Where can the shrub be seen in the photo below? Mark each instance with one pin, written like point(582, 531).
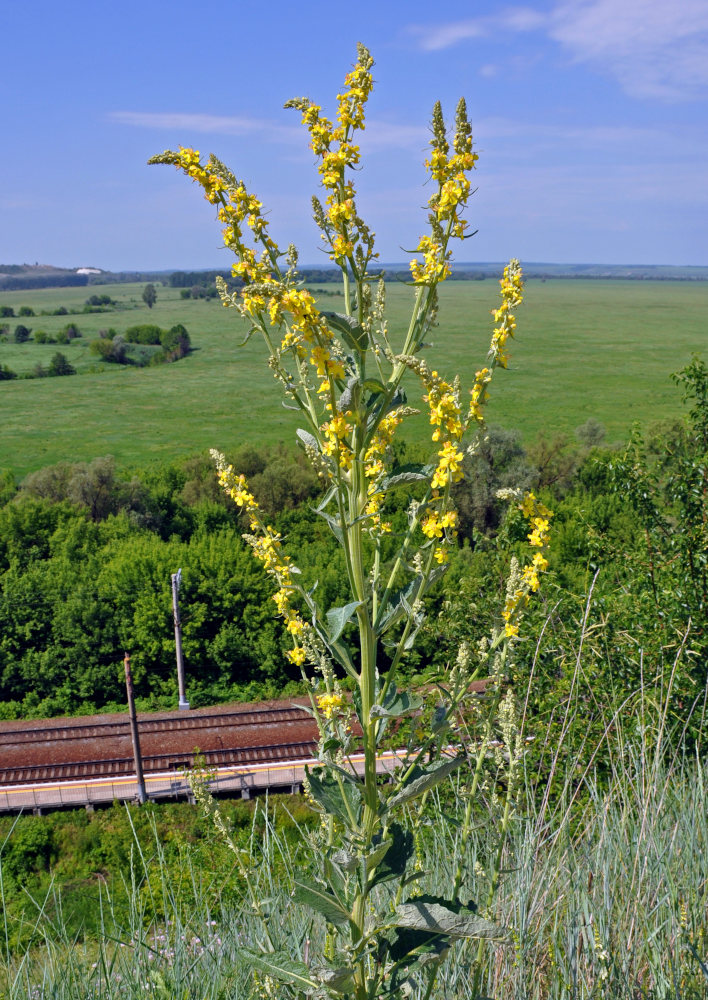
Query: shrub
point(175, 341)
point(72, 332)
point(7, 312)
point(40, 337)
point(6, 373)
point(110, 350)
point(59, 365)
point(144, 333)
point(22, 334)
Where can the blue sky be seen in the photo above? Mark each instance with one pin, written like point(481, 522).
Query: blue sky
point(589, 117)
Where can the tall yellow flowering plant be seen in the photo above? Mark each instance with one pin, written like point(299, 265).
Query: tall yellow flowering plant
point(345, 376)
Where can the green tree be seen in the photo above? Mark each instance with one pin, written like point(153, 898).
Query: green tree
point(59, 365)
point(149, 295)
point(22, 334)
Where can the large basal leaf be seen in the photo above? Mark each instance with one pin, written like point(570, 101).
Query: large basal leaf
point(438, 916)
point(322, 901)
point(280, 966)
point(339, 618)
point(423, 778)
point(334, 796)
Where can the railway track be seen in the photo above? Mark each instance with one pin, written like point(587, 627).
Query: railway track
point(119, 767)
point(182, 723)
point(95, 747)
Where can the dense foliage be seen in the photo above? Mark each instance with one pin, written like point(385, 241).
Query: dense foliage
point(86, 554)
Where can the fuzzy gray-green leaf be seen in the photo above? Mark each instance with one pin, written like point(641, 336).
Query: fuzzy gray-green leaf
point(280, 966)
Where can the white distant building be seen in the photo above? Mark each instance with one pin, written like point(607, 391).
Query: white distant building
point(89, 270)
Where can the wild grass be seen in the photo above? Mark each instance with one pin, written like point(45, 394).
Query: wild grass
point(604, 892)
point(585, 348)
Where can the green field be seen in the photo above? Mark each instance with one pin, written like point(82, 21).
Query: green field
point(602, 349)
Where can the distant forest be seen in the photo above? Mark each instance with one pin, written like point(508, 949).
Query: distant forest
point(17, 277)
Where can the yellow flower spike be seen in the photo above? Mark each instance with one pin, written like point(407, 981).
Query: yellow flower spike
point(297, 655)
point(330, 704)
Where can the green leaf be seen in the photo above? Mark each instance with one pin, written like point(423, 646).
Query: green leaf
point(396, 607)
point(393, 864)
point(439, 916)
point(309, 440)
point(411, 473)
point(373, 385)
point(401, 703)
point(423, 778)
point(345, 860)
point(280, 966)
point(339, 980)
point(350, 330)
point(339, 618)
point(334, 524)
point(333, 797)
point(322, 901)
point(376, 856)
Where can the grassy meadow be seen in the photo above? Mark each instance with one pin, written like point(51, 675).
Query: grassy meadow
point(602, 349)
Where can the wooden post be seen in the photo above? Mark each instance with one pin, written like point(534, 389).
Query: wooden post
point(142, 795)
point(176, 580)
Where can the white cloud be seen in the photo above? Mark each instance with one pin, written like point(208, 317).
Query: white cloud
point(379, 135)
point(215, 124)
point(441, 36)
point(653, 48)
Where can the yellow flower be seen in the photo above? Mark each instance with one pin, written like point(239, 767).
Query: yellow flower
point(330, 704)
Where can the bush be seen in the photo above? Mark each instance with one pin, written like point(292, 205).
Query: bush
point(59, 365)
point(7, 312)
point(72, 332)
point(6, 373)
point(61, 311)
point(144, 333)
point(110, 350)
point(25, 311)
point(40, 337)
point(175, 342)
point(22, 334)
point(100, 300)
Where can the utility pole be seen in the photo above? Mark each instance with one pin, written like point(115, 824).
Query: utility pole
point(176, 581)
point(142, 794)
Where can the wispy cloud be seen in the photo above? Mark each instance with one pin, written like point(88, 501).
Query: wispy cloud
point(653, 48)
point(379, 135)
point(215, 124)
point(432, 37)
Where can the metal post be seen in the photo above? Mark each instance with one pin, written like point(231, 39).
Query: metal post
point(176, 580)
point(142, 795)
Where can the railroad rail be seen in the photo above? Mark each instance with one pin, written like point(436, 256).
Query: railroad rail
point(113, 728)
point(117, 767)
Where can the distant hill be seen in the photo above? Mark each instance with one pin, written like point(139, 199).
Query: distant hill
point(28, 276)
